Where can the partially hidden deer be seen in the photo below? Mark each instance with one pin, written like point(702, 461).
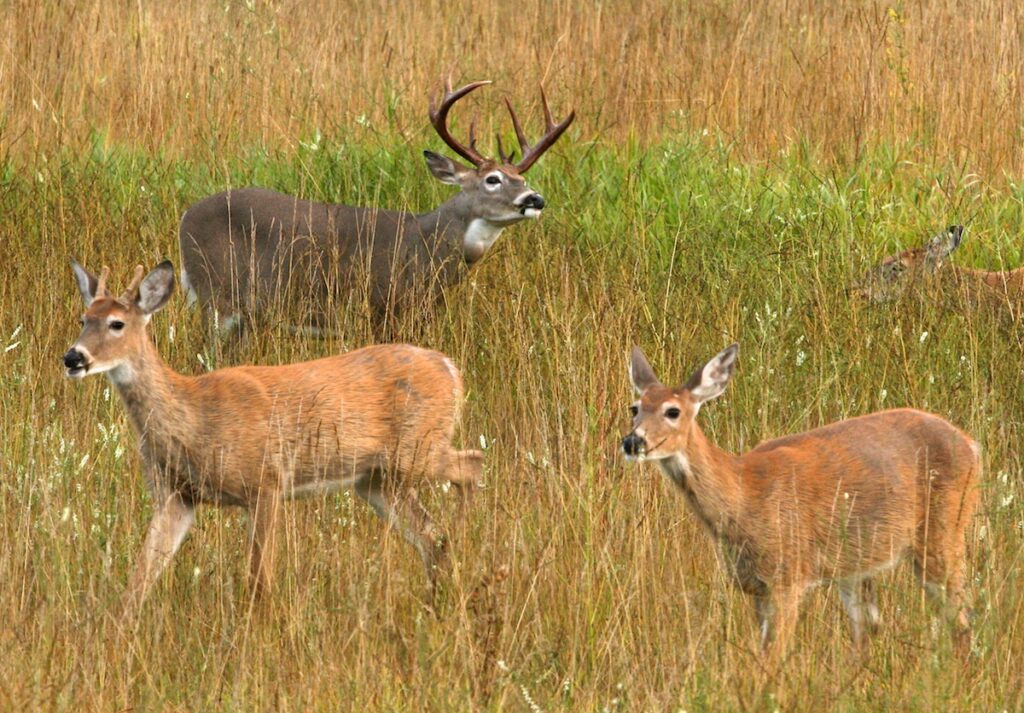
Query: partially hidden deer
point(841, 503)
point(379, 420)
point(927, 266)
point(246, 249)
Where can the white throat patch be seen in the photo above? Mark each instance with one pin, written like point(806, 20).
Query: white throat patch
point(480, 236)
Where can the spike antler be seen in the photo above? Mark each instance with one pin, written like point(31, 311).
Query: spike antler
point(101, 284)
point(128, 296)
point(552, 132)
point(439, 119)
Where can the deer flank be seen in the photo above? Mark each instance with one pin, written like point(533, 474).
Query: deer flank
point(379, 420)
point(841, 503)
point(927, 267)
point(247, 249)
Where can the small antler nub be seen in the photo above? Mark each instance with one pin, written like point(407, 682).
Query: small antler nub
point(101, 284)
point(128, 296)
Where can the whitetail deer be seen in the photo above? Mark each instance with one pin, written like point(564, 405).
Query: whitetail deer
point(244, 249)
point(840, 503)
point(378, 420)
point(926, 264)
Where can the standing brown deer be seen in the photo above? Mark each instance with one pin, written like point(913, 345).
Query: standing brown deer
point(379, 420)
point(925, 265)
point(841, 503)
point(244, 249)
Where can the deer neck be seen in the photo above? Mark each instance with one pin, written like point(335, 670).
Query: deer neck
point(152, 394)
point(711, 481)
point(457, 226)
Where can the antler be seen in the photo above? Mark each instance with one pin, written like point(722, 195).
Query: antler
point(101, 284)
point(128, 296)
point(551, 133)
point(439, 119)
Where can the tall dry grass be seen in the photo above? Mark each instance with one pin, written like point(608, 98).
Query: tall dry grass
point(579, 583)
point(201, 79)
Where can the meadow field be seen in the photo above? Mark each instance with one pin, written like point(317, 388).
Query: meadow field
point(733, 169)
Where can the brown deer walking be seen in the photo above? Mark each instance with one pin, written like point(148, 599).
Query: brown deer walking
point(841, 503)
point(245, 249)
point(378, 420)
point(926, 265)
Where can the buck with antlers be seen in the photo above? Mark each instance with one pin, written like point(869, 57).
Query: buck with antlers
point(927, 264)
point(245, 249)
point(840, 503)
point(379, 420)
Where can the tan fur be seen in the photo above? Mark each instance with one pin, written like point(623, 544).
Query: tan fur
point(838, 503)
point(927, 267)
point(379, 420)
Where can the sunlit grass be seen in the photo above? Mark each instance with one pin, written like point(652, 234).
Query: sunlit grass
point(732, 171)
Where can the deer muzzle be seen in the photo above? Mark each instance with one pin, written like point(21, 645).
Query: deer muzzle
point(633, 446)
point(76, 362)
point(531, 205)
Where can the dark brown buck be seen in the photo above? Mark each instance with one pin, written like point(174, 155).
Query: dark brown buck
point(245, 249)
point(841, 503)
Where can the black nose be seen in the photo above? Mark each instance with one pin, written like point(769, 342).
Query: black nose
point(534, 200)
point(74, 358)
point(632, 445)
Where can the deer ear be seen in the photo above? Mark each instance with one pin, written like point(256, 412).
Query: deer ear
point(444, 169)
point(709, 382)
point(156, 288)
point(939, 247)
point(86, 282)
point(640, 371)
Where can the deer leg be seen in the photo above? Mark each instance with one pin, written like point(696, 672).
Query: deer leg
point(943, 581)
point(407, 514)
point(266, 517)
point(779, 617)
point(858, 598)
point(869, 597)
point(167, 530)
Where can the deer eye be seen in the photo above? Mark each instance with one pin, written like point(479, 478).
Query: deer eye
point(634, 410)
point(672, 413)
point(81, 321)
point(493, 180)
point(117, 325)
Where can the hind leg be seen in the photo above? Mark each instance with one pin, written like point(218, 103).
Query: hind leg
point(406, 513)
point(859, 599)
point(943, 580)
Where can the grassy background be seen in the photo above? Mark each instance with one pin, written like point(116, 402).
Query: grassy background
point(732, 170)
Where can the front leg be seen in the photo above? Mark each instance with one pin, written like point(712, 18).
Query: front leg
point(171, 522)
point(266, 516)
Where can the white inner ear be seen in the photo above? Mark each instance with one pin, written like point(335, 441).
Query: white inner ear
point(83, 285)
point(713, 379)
point(632, 379)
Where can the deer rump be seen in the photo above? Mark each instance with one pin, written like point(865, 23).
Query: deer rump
point(252, 251)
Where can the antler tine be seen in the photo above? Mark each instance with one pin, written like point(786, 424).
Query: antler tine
point(524, 146)
point(101, 284)
point(552, 132)
point(547, 110)
point(439, 119)
point(501, 150)
point(133, 287)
